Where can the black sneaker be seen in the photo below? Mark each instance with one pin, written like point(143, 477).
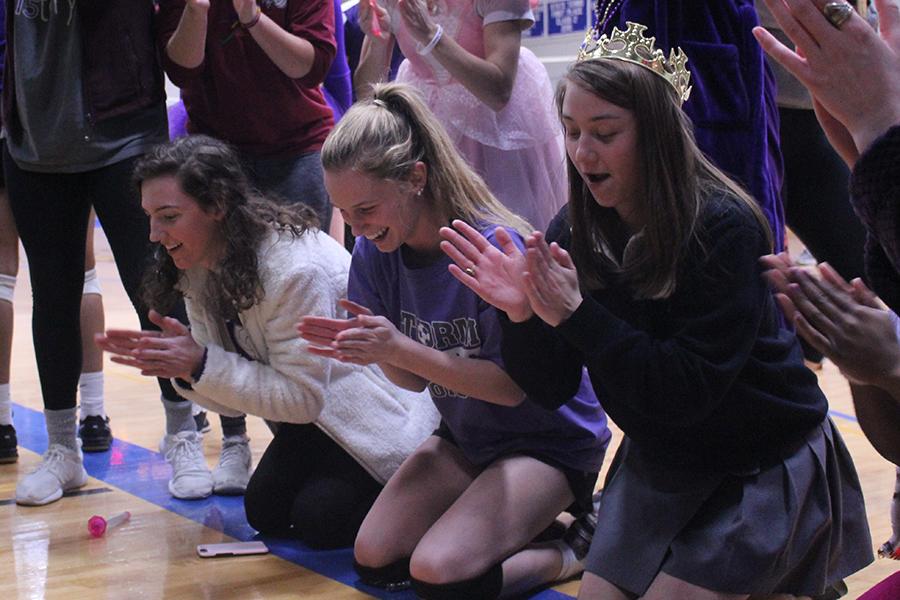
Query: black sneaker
point(8, 445)
point(95, 433)
point(202, 422)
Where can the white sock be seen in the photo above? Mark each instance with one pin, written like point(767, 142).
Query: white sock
point(90, 388)
point(5, 405)
point(571, 566)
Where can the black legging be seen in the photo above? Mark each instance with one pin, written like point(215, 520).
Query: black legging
point(817, 199)
point(51, 212)
point(816, 194)
point(306, 486)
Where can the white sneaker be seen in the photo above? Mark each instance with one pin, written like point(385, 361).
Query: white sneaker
point(61, 470)
point(191, 479)
point(231, 475)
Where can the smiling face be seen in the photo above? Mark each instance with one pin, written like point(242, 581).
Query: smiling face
point(601, 141)
point(191, 235)
point(390, 213)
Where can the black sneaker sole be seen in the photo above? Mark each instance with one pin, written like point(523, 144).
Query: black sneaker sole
point(95, 446)
point(8, 459)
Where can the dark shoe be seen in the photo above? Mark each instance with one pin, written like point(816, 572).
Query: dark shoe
point(202, 422)
point(95, 433)
point(8, 445)
point(581, 532)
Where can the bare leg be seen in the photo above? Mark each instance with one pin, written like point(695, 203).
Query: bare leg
point(505, 507)
point(424, 486)
point(666, 587)
point(597, 588)
point(92, 320)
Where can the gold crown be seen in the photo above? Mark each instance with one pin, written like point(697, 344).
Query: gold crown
point(631, 45)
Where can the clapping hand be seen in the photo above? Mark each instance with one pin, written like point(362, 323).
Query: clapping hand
point(171, 352)
point(551, 280)
point(362, 340)
point(417, 20)
point(496, 276)
point(844, 321)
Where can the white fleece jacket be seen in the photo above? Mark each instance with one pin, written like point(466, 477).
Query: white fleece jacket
point(376, 422)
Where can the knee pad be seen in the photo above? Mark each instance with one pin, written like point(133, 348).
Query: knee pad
point(486, 586)
point(91, 283)
point(392, 577)
point(7, 287)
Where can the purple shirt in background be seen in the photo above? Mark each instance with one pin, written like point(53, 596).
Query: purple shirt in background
point(430, 306)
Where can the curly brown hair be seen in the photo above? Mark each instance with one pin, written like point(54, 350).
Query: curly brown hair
point(210, 172)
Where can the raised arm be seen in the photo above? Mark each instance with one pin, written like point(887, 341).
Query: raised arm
point(186, 45)
point(850, 70)
point(490, 79)
point(308, 45)
point(377, 48)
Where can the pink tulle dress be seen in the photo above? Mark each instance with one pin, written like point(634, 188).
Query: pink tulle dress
point(518, 150)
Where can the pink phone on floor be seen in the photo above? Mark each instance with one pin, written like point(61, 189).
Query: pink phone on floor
point(231, 549)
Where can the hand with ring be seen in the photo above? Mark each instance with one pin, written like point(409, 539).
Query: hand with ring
point(837, 13)
point(848, 68)
point(495, 274)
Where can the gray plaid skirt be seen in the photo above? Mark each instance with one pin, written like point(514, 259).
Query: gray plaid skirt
point(793, 528)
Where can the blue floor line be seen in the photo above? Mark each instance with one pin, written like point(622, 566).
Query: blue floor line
point(835, 413)
point(145, 474)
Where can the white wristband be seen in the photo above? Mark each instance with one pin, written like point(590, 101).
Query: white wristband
point(438, 33)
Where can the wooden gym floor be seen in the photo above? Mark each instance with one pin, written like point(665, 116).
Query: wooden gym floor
point(47, 552)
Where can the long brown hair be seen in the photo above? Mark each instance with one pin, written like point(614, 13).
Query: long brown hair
point(677, 180)
point(388, 134)
point(210, 172)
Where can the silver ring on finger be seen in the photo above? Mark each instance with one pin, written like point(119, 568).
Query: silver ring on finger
point(837, 13)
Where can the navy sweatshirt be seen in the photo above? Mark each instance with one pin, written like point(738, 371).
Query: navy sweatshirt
point(704, 378)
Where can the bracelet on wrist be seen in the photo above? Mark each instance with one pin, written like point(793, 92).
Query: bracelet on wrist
point(249, 24)
point(427, 48)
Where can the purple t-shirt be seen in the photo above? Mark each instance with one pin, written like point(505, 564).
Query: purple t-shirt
point(430, 306)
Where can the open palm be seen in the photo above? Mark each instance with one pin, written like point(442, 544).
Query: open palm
point(496, 275)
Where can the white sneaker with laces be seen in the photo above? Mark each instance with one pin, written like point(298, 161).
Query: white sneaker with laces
point(231, 475)
point(191, 479)
point(61, 470)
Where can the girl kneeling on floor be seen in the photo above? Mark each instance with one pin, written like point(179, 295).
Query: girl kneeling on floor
point(731, 481)
point(460, 514)
point(248, 269)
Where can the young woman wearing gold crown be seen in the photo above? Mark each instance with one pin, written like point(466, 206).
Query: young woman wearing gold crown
point(731, 481)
